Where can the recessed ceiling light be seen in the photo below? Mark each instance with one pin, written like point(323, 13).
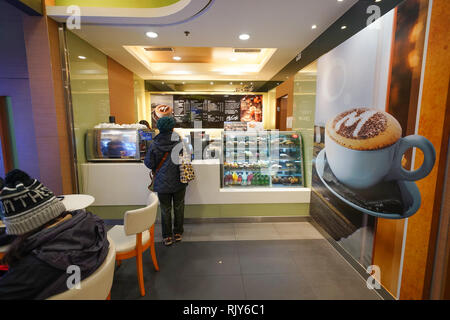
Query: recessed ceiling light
point(313, 26)
point(344, 27)
point(181, 72)
point(377, 0)
point(211, 83)
point(183, 82)
point(340, 0)
point(231, 83)
point(82, 57)
point(244, 36)
point(152, 34)
point(241, 83)
point(162, 82)
point(177, 58)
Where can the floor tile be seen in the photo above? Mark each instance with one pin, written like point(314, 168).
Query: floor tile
point(333, 292)
point(212, 232)
point(297, 230)
point(277, 287)
point(256, 231)
point(269, 264)
point(320, 263)
point(223, 287)
point(226, 264)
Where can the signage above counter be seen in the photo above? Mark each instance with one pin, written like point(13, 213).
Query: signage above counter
point(209, 110)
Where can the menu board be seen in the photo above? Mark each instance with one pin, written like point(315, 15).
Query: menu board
point(181, 113)
point(209, 110)
point(196, 110)
point(214, 116)
point(232, 108)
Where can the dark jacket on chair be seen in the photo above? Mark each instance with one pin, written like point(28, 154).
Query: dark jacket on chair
point(167, 179)
point(42, 272)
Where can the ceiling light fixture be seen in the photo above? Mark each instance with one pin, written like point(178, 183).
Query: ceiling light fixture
point(180, 72)
point(211, 83)
point(152, 34)
point(231, 83)
point(177, 58)
point(314, 27)
point(82, 57)
point(344, 27)
point(244, 36)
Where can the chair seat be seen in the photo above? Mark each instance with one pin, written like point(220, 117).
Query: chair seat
point(3, 249)
point(123, 242)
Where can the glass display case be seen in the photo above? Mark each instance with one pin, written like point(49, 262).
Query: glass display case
point(262, 159)
point(286, 160)
point(117, 144)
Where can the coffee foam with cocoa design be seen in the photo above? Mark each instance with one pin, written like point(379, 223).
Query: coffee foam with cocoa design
point(364, 129)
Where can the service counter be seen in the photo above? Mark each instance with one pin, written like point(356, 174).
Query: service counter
point(125, 184)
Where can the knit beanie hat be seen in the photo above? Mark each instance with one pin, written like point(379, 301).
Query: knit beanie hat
point(165, 124)
point(26, 203)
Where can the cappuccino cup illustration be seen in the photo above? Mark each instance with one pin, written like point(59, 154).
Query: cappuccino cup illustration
point(163, 111)
point(364, 147)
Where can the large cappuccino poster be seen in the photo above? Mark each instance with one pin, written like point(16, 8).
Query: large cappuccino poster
point(367, 93)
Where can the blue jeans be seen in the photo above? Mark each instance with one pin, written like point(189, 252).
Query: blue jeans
point(165, 203)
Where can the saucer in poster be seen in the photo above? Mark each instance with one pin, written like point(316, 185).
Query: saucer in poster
point(389, 199)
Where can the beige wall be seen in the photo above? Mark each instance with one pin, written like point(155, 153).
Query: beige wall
point(121, 93)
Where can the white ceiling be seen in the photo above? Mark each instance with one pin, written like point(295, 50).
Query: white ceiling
point(283, 24)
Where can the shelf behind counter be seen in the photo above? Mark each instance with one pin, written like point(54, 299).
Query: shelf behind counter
point(125, 184)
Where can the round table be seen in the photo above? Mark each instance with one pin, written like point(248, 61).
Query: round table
point(74, 202)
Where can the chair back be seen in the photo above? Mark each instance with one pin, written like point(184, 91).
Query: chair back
point(140, 220)
point(98, 285)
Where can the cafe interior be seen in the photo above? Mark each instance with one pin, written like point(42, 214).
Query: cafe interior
point(317, 131)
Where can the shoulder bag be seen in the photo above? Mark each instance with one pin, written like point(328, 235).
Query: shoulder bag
point(187, 173)
point(152, 176)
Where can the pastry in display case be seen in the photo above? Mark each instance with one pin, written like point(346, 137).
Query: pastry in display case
point(271, 160)
point(286, 159)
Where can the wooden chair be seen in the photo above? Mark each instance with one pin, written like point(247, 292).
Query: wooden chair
point(98, 285)
point(3, 250)
point(137, 235)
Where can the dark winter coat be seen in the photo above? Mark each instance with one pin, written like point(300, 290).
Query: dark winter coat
point(42, 272)
point(167, 179)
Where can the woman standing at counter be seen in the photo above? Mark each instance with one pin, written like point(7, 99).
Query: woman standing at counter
point(167, 179)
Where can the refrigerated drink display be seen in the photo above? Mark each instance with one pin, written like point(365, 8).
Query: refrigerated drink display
point(245, 159)
point(272, 159)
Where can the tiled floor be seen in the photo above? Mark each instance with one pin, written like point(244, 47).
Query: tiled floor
point(246, 231)
point(253, 261)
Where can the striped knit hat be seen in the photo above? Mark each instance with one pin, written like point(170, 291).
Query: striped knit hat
point(26, 203)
